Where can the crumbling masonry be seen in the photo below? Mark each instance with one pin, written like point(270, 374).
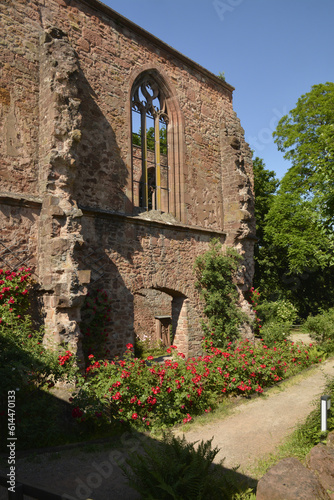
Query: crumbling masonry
point(120, 160)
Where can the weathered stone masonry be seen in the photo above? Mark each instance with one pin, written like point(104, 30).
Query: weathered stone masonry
point(69, 202)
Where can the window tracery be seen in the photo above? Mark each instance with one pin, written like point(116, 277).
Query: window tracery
point(149, 146)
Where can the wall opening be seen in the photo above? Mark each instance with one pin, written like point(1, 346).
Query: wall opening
point(149, 146)
point(161, 317)
point(157, 146)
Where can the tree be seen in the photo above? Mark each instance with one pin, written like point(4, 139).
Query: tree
point(136, 139)
point(265, 186)
point(298, 254)
point(295, 254)
point(306, 136)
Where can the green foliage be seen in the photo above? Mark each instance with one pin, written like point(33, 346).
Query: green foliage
point(310, 432)
point(265, 187)
point(293, 226)
point(321, 329)
point(136, 139)
point(280, 311)
point(144, 348)
point(274, 333)
point(221, 76)
point(306, 136)
point(26, 367)
point(294, 254)
point(152, 395)
point(299, 223)
point(215, 273)
point(175, 469)
point(296, 262)
point(277, 319)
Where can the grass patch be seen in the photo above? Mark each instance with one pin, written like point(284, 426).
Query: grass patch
point(296, 445)
point(303, 438)
point(292, 380)
point(223, 410)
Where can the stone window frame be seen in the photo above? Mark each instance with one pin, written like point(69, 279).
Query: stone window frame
point(175, 139)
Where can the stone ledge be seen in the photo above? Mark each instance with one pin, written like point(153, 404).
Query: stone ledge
point(20, 199)
point(146, 220)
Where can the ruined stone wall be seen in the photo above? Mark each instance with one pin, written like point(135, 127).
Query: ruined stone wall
point(148, 304)
point(19, 85)
point(19, 127)
point(133, 256)
point(67, 70)
point(19, 233)
point(110, 56)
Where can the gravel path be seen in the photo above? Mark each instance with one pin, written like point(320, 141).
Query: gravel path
point(258, 426)
point(254, 429)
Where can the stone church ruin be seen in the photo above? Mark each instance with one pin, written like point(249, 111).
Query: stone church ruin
point(120, 160)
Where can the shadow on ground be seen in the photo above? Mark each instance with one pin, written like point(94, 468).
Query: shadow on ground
point(91, 470)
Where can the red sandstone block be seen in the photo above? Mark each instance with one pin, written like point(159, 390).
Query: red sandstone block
point(93, 37)
point(84, 45)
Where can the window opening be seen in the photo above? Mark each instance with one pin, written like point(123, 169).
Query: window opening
point(149, 147)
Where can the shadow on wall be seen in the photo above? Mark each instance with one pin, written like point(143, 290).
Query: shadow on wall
point(113, 246)
point(157, 316)
point(102, 175)
point(99, 190)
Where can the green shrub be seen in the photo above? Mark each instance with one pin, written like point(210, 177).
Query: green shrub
point(274, 332)
point(215, 272)
point(309, 433)
point(321, 329)
point(152, 395)
point(149, 347)
point(175, 469)
point(279, 311)
point(27, 368)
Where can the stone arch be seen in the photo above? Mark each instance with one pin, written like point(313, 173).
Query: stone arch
point(175, 138)
point(161, 317)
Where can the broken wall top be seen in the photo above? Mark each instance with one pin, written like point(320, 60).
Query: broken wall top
point(111, 52)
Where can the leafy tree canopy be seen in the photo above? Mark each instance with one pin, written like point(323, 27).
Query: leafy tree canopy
point(136, 139)
point(265, 186)
point(294, 227)
point(294, 254)
point(306, 136)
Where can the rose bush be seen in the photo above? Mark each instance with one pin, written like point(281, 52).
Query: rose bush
point(26, 366)
point(158, 395)
point(24, 361)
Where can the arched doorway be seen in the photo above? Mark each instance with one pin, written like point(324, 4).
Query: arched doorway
point(161, 317)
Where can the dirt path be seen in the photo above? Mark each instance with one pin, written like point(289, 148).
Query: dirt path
point(254, 429)
point(258, 426)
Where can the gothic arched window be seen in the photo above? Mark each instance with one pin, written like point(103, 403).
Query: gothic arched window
point(150, 173)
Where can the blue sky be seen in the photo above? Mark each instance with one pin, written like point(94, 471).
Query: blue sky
point(272, 52)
